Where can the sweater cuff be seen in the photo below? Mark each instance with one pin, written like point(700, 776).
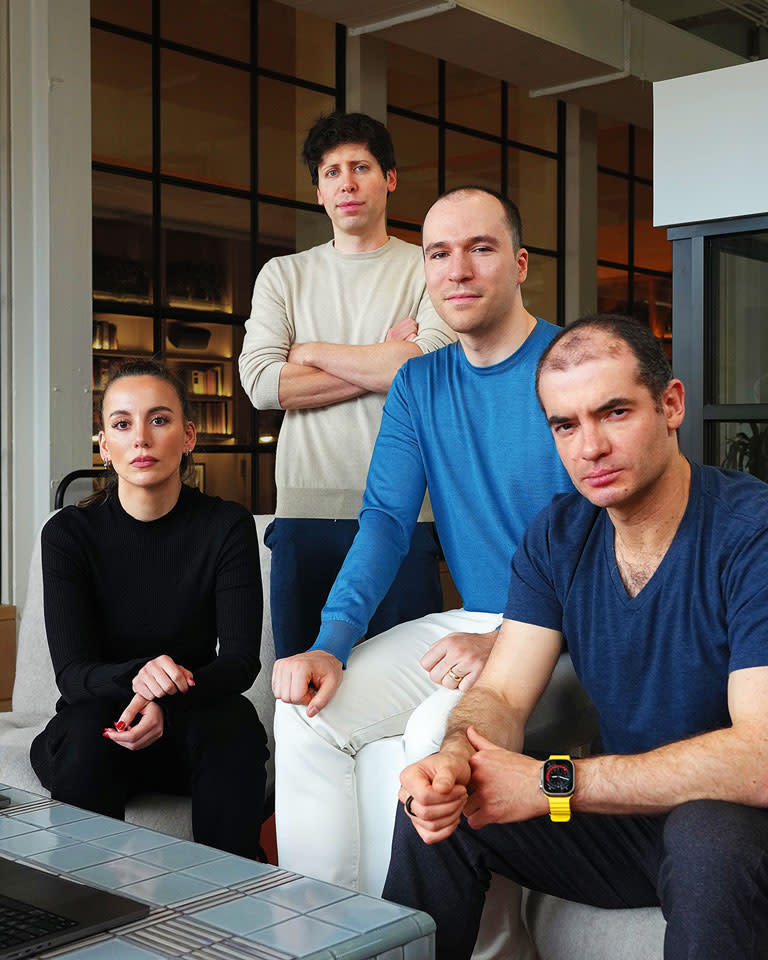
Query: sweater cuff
point(337, 637)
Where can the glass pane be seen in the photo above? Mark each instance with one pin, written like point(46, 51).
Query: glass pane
point(416, 152)
point(740, 278)
point(204, 356)
point(472, 99)
point(741, 446)
point(652, 249)
point(643, 153)
point(223, 28)
point(270, 422)
point(612, 218)
point(540, 287)
point(205, 113)
point(408, 236)
point(411, 81)
point(297, 43)
point(206, 243)
point(121, 100)
point(267, 490)
point(225, 475)
point(653, 304)
point(469, 161)
point(612, 144)
point(532, 121)
point(612, 290)
point(533, 187)
point(282, 231)
point(286, 113)
point(122, 238)
point(137, 15)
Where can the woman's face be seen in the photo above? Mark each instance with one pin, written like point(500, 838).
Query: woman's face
point(145, 433)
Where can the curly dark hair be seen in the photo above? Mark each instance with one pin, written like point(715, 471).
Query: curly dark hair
point(339, 128)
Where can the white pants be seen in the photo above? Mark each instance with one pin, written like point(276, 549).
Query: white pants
point(316, 809)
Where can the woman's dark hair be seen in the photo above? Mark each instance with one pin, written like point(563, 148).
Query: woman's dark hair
point(654, 370)
point(339, 128)
point(141, 368)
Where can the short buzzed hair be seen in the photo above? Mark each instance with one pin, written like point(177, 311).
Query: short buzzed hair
point(575, 345)
point(511, 213)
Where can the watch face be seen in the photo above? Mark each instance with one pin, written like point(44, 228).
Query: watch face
point(557, 778)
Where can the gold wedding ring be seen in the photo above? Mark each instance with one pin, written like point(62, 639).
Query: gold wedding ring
point(455, 676)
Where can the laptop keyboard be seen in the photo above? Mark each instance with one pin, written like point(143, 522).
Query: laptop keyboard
point(21, 923)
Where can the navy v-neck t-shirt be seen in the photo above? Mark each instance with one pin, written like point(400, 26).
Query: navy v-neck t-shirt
point(656, 665)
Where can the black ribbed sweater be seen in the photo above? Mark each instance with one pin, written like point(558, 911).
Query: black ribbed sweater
point(119, 591)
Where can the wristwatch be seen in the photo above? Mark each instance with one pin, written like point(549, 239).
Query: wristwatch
point(558, 781)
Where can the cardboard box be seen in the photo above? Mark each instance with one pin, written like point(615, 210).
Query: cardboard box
point(7, 654)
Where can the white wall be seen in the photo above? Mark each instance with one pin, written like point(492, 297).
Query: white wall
point(711, 145)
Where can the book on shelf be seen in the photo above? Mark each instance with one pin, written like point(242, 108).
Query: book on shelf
point(104, 336)
point(102, 369)
point(210, 417)
point(207, 381)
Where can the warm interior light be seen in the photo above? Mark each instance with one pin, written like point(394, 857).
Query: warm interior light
point(267, 438)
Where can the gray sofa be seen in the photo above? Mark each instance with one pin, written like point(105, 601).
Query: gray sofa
point(558, 930)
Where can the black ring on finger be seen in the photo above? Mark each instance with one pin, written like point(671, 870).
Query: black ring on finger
point(408, 803)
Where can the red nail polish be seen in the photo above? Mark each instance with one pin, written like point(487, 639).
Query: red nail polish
point(191, 682)
point(106, 734)
point(120, 726)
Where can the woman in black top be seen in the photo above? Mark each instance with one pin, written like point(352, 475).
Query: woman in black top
point(140, 583)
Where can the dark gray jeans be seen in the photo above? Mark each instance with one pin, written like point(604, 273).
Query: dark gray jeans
point(704, 863)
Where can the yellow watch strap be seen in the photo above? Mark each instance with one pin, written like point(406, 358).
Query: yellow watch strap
point(559, 809)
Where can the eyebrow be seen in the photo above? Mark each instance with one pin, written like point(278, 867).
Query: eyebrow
point(470, 241)
point(611, 404)
point(127, 413)
point(338, 163)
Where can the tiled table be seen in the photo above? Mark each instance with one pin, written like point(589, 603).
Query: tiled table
point(206, 904)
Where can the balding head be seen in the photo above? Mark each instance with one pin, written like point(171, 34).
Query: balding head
point(606, 334)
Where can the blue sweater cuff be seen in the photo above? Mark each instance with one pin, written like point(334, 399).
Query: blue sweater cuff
point(336, 637)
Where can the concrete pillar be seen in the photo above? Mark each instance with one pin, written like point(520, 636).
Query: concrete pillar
point(46, 317)
point(367, 77)
point(580, 212)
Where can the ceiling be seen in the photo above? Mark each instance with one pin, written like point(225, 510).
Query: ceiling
point(740, 26)
point(552, 42)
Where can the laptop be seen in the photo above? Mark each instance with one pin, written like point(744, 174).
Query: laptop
point(39, 911)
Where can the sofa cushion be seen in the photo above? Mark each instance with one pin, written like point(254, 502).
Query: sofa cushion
point(34, 690)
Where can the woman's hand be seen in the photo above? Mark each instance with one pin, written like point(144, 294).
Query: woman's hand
point(162, 677)
point(145, 732)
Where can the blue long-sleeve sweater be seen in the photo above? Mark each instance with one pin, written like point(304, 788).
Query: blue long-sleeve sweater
point(478, 439)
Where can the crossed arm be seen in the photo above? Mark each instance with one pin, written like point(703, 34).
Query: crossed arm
point(318, 374)
point(479, 771)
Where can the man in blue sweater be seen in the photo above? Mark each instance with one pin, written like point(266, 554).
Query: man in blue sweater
point(465, 422)
point(656, 572)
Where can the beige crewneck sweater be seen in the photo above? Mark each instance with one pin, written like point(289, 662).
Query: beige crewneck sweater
point(324, 295)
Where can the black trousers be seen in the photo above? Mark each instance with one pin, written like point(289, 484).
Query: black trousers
point(306, 558)
point(705, 864)
point(214, 750)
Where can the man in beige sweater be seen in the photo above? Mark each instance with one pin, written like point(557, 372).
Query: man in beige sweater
point(328, 330)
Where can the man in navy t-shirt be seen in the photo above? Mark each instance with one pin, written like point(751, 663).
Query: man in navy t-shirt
point(656, 574)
